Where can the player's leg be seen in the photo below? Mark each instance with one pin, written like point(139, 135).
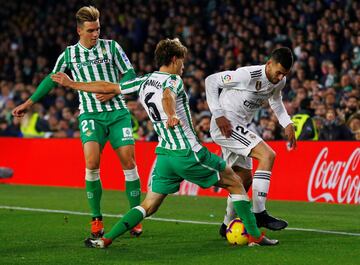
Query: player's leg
point(121, 139)
point(133, 217)
point(92, 177)
point(230, 181)
point(132, 180)
point(261, 184)
point(207, 169)
point(230, 214)
point(93, 138)
point(163, 182)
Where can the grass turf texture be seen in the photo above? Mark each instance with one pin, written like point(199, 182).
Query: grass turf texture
point(55, 238)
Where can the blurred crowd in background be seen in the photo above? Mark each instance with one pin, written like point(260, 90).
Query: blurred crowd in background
point(220, 35)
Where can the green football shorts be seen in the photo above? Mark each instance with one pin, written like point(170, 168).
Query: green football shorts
point(114, 126)
point(201, 168)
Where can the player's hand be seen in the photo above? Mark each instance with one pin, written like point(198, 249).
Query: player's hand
point(224, 125)
point(20, 110)
point(172, 122)
point(104, 97)
point(62, 79)
point(290, 135)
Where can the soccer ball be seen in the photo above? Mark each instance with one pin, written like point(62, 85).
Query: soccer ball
point(236, 233)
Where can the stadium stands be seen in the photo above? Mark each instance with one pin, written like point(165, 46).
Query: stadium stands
point(220, 35)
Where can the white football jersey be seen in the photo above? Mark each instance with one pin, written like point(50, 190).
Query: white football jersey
point(181, 139)
point(244, 91)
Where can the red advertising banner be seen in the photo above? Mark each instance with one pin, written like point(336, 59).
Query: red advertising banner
point(315, 171)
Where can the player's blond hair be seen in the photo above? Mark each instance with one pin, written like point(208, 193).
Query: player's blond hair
point(87, 13)
point(167, 49)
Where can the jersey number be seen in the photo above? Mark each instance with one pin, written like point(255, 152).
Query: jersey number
point(154, 113)
point(84, 125)
point(242, 130)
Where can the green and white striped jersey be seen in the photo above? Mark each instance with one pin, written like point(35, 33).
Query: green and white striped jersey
point(180, 140)
point(100, 63)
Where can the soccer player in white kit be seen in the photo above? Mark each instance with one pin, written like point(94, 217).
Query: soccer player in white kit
point(243, 92)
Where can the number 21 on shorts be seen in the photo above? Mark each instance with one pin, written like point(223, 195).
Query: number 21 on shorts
point(87, 124)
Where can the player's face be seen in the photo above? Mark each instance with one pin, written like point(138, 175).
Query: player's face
point(179, 65)
point(276, 72)
point(89, 33)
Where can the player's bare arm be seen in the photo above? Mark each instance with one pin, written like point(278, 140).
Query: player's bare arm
point(101, 87)
point(169, 105)
point(104, 97)
point(290, 135)
point(20, 110)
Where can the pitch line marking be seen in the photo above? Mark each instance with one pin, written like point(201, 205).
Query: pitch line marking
point(165, 219)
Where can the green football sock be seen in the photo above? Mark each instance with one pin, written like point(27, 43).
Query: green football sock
point(133, 192)
point(94, 192)
point(130, 219)
point(242, 209)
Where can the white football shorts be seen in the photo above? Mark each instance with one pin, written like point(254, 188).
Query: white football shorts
point(238, 146)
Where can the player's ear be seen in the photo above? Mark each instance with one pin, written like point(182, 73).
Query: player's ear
point(78, 30)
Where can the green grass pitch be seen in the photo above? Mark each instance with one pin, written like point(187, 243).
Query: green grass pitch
point(34, 237)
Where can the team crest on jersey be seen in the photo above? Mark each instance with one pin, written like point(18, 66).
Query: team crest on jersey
point(226, 78)
point(258, 85)
point(103, 51)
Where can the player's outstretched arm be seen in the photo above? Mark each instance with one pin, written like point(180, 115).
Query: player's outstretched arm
point(20, 110)
point(169, 106)
point(101, 87)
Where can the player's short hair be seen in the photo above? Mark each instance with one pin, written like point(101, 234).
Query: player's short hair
point(87, 14)
point(167, 49)
point(283, 56)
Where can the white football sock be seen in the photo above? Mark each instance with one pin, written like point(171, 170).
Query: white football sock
point(260, 189)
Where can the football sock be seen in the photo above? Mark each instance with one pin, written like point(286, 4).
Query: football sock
point(93, 190)
point(260, 186)
point(132, 184)
point(242, 207)
point(130, 219)
point(230, 213)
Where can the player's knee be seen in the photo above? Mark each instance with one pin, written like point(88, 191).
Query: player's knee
point(272, 155)
point(269, 155)
point(92, 164)
point(129, 164)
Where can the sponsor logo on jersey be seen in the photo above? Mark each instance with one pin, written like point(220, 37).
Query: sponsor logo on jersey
point(253, 104)
point(226, 78)
point(258, 85)
point(93, 62)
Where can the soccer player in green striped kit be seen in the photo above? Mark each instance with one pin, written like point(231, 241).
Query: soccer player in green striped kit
point(102, 117)
point(180, 155)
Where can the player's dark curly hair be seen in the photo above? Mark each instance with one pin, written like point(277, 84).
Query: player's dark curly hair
point(283, 56)
point(167, 49)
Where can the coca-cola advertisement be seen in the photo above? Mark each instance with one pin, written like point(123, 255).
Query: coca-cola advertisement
point(315, 171)
point(335, 180)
